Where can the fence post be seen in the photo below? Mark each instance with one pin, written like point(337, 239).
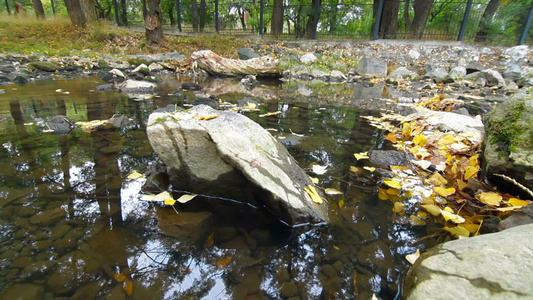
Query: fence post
point(116, 12)
point(7, 6)
point(216, 15)
point(378, 21)
point(526, 26)
point(261, 12)
point(315, 19)
point(178, 14)
point(465, 20)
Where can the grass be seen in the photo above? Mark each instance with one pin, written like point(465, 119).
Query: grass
point(57, 37)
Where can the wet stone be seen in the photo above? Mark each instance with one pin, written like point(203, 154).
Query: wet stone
point(48, 216)
point(288, 289)
point(189, 225)
point(376, 256)
point(23, 291)
point(73, 270)
point(42, 245)
point(365, 229)
point(224, 234)
point(25, 223)
point(263, 237)
point(329, 271)
point(37, 269)
point(59, 231)
point(27, 211)
point(12, 274)
point(22, 262)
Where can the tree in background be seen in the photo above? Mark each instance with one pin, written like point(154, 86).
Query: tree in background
point(389, 18)
point(422, 9)
point(39, 10)
point(123, 13)
point(194, 11)
point(81, 12)
point(311, 18)
point(203, 12)
point(486, 21)
point(154, 22)
point(276, 25)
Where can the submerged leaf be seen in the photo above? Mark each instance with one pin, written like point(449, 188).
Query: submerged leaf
point(223, 262)
point(128, 286)
point(135, 175)
point(119, 277)
point(210, 240)
point(340, 203)
point(413, 256)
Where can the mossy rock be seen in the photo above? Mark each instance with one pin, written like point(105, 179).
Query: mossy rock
point(45, 66)
point(508, 141)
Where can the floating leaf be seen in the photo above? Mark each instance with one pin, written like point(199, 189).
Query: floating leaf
point(340, 203)
point(311, 191)
point(413, 256)
point(490, 198)
point(162, 196)
point(223, 263)
point(393, 191)
point(318, 169)
point(314, 180)
point(128, 286)
point(270, 114)
point(185, 198)
point(119, 277)
point(149, 198)
point(362, 155)
point(444, 192)
point(458, 231)
point(398, 208)
point(432, 209)
point(135, 175)
point(508, 208)
point(332, 191)
point(371, 169)
point(382, 194)
point(517, 202)
point(170, 201)
point(450, 216)
point(393, 183)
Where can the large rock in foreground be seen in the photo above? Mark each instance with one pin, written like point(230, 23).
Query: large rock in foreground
point(491, 266)
point(508, 143)
point(225, 154)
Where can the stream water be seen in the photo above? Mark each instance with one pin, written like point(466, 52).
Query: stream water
point(72, 224)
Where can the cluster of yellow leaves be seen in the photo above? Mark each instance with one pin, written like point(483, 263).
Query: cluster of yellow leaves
point(443, 178)
point(439, 102)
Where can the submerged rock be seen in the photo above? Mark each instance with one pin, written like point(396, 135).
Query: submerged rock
point(490, 266)
point(61, 124)
point(226, 154)
point(137, 90)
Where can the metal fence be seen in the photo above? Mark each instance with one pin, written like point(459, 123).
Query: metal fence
point(322, 19)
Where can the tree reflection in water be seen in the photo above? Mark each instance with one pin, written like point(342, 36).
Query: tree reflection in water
point(71, 221)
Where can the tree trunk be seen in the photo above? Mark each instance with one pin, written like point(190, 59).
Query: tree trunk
point(123, 13)
point(389, 18)
point(486, 20)
point(39, 10)
point(406, 17)
point(154, 22)
point(81, 12)
point(422, 9)
point(276, 24)
point(194, 10)
point(203, 9)
point(311, 19)
point(333, 16)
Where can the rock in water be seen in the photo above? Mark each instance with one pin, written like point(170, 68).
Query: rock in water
point(225, 154)
point(490, 266)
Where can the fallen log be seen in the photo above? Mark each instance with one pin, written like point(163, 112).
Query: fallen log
point(214, 64)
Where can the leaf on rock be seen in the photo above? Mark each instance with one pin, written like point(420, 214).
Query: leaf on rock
point(444, 192)
point(517, 202)
point(458, 231)
point(413, 256)
point(186, 198)
point(314, 180)
point(419, 140)
point(424, 164)
point(223, 262)
point(318, 169)
point(471, 227)
point(437, 179)
point(362, 155)
point(311, 191)
point(448, 215)
point(471, 171)
point(393, 184)
point(135, 175)
point(332, 191)
point(432, 209)
point(119, 277)
point(398, 208)
point(446, 140)
point(490, 198)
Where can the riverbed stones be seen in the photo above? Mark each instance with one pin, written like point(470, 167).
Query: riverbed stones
point(491, 266)
point(137, 90)
point(372, 66)
point(23, 291)
point(60, 124)
point(508, 141)
point(191, 226)
point(222, 153)
point(45, 66)
point(247, 53)
point(308, 58)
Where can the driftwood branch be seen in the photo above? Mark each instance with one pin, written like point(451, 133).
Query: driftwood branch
point(214, 64)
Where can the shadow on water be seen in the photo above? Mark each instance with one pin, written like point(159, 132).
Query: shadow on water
point(72, 224)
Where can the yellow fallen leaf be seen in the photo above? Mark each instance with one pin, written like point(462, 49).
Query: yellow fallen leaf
point(185, 198)
point(362, 155)
point(461, 184)
point(336, 248)
point(223, 262)
point(371, 169)
point(458, 231)
point(148, 198)
point(128, 286)
point(508, 208)
point(472, 228)
point(419, 140)
point(398, 208)
point(162, 196)
point(393, 192)
point(422, 214)
point(411, 258)
point(354, 169)
point(391, 137)
point(340, 203)
point(444, 192)
point(318, 169)
point(119, 277)
point(450, 216)
point(311, 191)
point(393, 183)
point(169, 201)
point(314, 180)
point(517, 202)
point(382, 194)
point(437, 179)
point(210, 240)
point(270, 114)
point(281, 137)
point(332, 191)
point(135, 175)
point(474, 160)
point(446, 140)
point(471, 171)
point(490, 198)
point(432, 209)
point(416, 221)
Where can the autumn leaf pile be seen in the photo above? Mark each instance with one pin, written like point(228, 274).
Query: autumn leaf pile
point(441, 184)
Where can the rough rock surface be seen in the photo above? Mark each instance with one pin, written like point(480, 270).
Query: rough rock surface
point(508, 141)
point(60, 124)
point(247, 53)
point(491, 266)
point(231, 156)
point(371, 66)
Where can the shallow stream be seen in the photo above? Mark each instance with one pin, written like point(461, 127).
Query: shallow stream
point(72, 224)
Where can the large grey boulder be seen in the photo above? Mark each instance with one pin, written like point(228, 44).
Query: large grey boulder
point(508, 142)
point(516, 54)
point(137, 90)
point(456, 73)
point(371, 66)
point(513, 72)
point(491, 266)
point(247, 53)
point(403, 73)
point(233, 157)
